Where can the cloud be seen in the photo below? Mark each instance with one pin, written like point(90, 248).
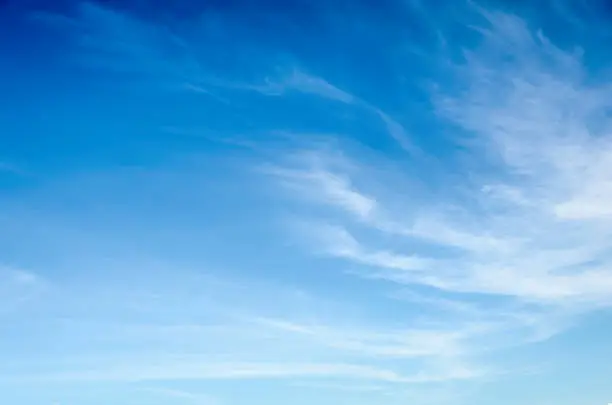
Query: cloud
point(526, 231)
point(508, 247)
point(342, 387)
point(188, 396)
point(297, 80)
point(173, 326)
point(407, 343)
point(309, 84)
point(205, 370)
point(334, 188)
point(110, 39)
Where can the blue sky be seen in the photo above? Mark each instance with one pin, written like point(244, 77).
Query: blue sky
point(273, 202)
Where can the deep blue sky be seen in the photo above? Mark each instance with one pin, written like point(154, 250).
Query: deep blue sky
point(332, 202)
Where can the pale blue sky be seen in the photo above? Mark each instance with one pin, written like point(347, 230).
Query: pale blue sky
point(298, 202)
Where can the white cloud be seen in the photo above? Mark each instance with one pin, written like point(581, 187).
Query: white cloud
point(203, 369)
point(202, 329)
point(189, 397)
point(306, 83)
point(315, 85)
point(114, 40)
point(530, 230)
point(512, 259)
point(333, 188)
point(409, 342)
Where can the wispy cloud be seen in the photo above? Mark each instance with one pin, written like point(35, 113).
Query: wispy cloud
point(411, 342)
point(117, 41)
point(505, 245)
point(205, 370)
point(220, 344)
point(528, 233)
point(295, 81)
point(186, 396)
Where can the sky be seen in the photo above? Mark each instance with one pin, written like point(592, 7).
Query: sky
point(305, 202)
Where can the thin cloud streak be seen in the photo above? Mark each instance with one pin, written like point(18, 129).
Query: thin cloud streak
point(186, 370)
point(119, 42)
